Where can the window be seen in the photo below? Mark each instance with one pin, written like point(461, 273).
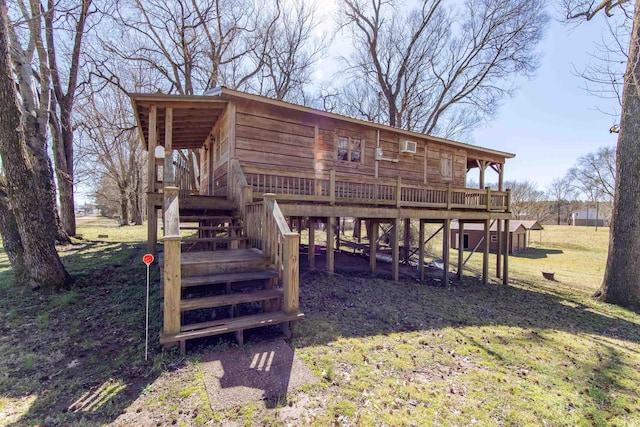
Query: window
point(446, 162)
point(349, 149)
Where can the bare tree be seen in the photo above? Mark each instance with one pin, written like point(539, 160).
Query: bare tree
point(525, 199)
point(620, 284)
point(594, 174)
point(59, 21)
point(27, 48)
point(192, 46)
point(22, 143)
point(441, 71)
point(560, 191)
point(291, 52)
point(112, 147)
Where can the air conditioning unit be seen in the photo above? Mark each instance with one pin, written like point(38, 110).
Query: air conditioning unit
point(408, 146)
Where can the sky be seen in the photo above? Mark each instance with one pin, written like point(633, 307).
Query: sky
point(551, 120)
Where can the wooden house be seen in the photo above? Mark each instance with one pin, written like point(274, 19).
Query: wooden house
point(257, 165)
point(473, 236)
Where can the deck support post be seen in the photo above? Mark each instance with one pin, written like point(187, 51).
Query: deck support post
point(485, 254)
point(290, 277)
point(407, 239)
point(331, 222)
point(421, 249)
point(446, 235)
point(373, 243)
point(460, 249)
point(152, 227)
point(169, 174)
point(151, 143)
point(172, 272)
point(312, 242)
point(505, 249)
point(499, 248)
point(395, 250)
point(152, 213)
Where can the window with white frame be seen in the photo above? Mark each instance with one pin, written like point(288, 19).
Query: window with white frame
point(350, 149)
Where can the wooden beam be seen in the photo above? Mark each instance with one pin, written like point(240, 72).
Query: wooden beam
point(291, 207)
point(482, 164)
point(446, 235)
point(152, 227)
point(421, 249)
point(373, 243)
point(291, 276)
point(485, 254)
point(499, 249)
point(153, 141)
point(460, 249)
point(407, 239)
point(505, 249)
point(172, 268)
point(395, 250)
point(169, 173)
point(331, 222)
point(312, 242)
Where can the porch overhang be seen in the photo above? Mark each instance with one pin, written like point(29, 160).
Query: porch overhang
point(193, 117)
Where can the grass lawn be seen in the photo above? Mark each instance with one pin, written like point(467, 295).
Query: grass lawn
point(535, 352)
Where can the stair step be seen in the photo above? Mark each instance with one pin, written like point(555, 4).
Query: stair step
point(223, 326)
point(223, 261)
point(197, 218)
point(230, 299)
point(212, 227)
point(212, 239)
point(228, 278)
point(207, 202)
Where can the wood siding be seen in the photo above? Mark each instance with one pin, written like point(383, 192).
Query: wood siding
point(272, 137)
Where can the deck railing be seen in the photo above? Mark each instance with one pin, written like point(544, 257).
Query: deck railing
point(267, 229)
point(183, 174)
point(332, 188)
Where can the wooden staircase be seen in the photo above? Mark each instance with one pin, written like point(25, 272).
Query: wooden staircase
point(225, 285)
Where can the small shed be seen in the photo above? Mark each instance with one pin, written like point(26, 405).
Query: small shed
point(474, 232)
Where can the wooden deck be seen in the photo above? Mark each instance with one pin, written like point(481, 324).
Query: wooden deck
point(333, 189)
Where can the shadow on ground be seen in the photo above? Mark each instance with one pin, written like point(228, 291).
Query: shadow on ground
point(538, 253)
point(78, 357)
point(354, 303)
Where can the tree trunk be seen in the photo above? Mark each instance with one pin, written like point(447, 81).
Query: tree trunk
point(35, 220)
point(63, 159)
point(621, 283)
point(134, 202)
point(124, 208)
point(11, 240)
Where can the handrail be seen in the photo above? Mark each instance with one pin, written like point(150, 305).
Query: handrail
point(267, 229)
point(238, 189)
point(330, 187)
point(282, 248)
